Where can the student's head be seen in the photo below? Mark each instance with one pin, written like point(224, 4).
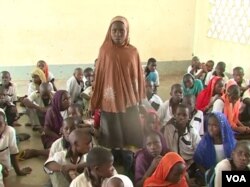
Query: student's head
point(61, 100)
point(170, 170)
point(78, 73)
point(119, 181)
point(176, 93)
point(153, 144)
point(89, 75)
point(220, 68)
point(176, 173)
point(218, 85)
point(67, 127)
point(210, 65)
point(233, 93)
point(151, 64)
point(188, 80)
point(80, 140)
point(100, 161)
point(213, 126)
point(189, 101)
point(241, 155)
point(42, 65)
point(238, 74)
point(119, 30)
point(181, 116)
point(75, 110)
point(150, 88)
point(196, 62)
point(38, 76)
point(5, 78)
point(45, 90)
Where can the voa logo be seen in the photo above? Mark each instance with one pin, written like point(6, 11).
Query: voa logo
point(236, 178)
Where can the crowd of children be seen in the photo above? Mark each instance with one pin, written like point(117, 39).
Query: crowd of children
point(112, 115)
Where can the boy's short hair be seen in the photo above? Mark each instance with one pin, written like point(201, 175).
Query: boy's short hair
point(88, 69)
point(238, 68)
point(233, 90)
point(182, 106)
point(5, 72)
point(98, 156)
point(242, 143)
point(211, 62)
point(195, 58)
point(77, 69)
point(151, 60)
point(222, 64)
point(174, 86)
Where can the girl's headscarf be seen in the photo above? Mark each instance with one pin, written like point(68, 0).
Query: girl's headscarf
point(40, 74)
point(158, 178)
point(46, 67)
point(53, 115)
point(108, 39)
point(231, 112)
point(205, 152)
point(118, 74)
point(126, 181)
point(205, 95)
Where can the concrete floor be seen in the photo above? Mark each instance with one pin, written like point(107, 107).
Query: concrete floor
point(38, 178)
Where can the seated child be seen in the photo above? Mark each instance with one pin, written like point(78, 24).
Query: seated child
point(88, 77)
point(238, 77)
point(154, 100)
point(68, 163)
point(54, 117)
point(37, 104)
point(119, 181)
point(151, 73)
point(209, 66)
point(180, 136)
point(8, 147)
point(38, 77)
point(8, 98)
point(194, 68)
point(210, 94)
point(49, 76)
point(191, 86)
point(170, 172)
point(99, 167)
point(75, 86)
point(244, 115)
point(168, 108)
point(239, 161)
point(219, 71)
point(196, 116)
point(218, 143)
point(148, 158)
point(229, 104)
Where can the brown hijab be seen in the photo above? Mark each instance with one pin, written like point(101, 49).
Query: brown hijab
point(119, 81)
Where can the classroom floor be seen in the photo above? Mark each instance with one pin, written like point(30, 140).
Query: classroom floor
point(38, 178)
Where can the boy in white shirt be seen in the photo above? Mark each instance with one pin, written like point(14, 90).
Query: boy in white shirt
point(8, 147)
point(75, 86)
point(99, 167)
point(65, 165)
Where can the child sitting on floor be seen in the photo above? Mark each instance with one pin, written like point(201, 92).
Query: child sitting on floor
point(218, 143)
point(180, 136)
point(99, 167)
point(154, 100)
point(8, 98)
point(195, 116)
point(151, 73)
point(38, 77)
point(171, 171)
point(8, 147)
point(238, 77)
point(49, 76)
point(168, 108)
point(239, 161)
point(191, 85)
point(75, 86)
point(194, 68)
point(65, 165)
